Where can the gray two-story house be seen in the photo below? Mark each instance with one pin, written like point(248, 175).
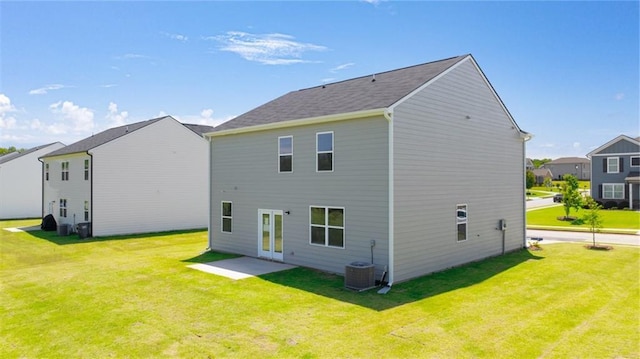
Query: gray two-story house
point(415, 170)
point(615, 173)
point(576, 166)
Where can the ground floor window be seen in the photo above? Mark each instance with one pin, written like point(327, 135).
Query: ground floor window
point(613, 191)
point(63, 207)
point(326, 226)
point(86, 211)
point(227, 217)
point(461, 221)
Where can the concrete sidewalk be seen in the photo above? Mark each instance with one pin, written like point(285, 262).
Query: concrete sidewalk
point(583, 237)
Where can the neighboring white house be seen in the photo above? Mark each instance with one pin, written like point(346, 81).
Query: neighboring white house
point(416, 170)
point(144, 177)
point(21, 182)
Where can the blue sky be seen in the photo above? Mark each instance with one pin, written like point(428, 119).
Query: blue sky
point(567, 71)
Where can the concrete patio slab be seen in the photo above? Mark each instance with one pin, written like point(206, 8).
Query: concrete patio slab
point(240, 268)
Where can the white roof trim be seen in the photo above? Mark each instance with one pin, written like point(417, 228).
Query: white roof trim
point(299, 122)
point(619, 138)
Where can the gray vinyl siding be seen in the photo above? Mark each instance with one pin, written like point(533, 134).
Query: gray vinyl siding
point(150, 180)
point(245, 172)
point(600, 175)
point(622, 146)
point(441, 159)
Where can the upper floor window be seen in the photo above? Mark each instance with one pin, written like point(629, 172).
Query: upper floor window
point(285, 154)
point(635, 161)
point(86, 170)
point(327, 226)
point(461, 221)
point(324, 151)
point(227, 217)
point(63, 207)
point(613, 165)
point(46, 172)
point(65, 171)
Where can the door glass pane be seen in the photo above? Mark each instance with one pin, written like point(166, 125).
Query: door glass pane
point(277, 235)
point(266, 231)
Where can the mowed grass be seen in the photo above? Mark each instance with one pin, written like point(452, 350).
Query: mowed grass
point(135, 297)
point(620, 219)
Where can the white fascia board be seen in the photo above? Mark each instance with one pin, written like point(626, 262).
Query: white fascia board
point(300, 122)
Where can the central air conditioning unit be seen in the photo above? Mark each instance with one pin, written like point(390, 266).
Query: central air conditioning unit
point(359, 276)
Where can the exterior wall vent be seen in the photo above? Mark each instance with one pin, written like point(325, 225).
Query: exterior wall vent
point(359, 276)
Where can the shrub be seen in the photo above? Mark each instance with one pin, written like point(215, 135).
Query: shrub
point(623, 205)
point(610, 204)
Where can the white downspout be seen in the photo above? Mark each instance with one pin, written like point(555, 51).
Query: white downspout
point(388, 114)
point(210, 192)
point(525, 137)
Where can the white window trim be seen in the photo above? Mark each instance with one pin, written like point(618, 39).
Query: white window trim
point(87, 166)
point(327, 226)
point(631, 161)
point(223, 217)
point(46, 171)
point(63, 206)
point(280, 154)
point(333, 140)
point(617, 164)
point(65, 170)
point(86, 211)
point(465, 221)
point(613, 190)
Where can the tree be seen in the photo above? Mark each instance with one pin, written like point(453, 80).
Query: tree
point(571, 197)
point(531, 179)
point(548, 183)
point(592, 218)
point(4, 151)
point(537, 163)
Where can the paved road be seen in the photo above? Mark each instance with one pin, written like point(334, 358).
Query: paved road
point(627, 239)
point(540, 202)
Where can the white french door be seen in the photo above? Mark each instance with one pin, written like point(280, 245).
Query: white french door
point(270, 242)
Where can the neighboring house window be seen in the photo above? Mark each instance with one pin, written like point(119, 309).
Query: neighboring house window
point(324, 152)
point(46, 172)
point(285, 154)
point(86, 211)
point(63, 207)
point(613, 165)
point(327, 226)
point(613, 191)
point(65, 171)
point(86, 170)
point(461, 221)
point(227, 217)
point(635, 161)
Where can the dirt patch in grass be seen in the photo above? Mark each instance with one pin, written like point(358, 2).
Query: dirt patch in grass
point(599, 247)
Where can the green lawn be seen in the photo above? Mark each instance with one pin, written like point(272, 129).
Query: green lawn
point(135, 297)
point(618, 219)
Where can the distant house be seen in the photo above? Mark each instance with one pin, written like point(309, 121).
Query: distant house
point(576, 166)
point(615, 175)
point(416, 170)
point(541, 175)
point(20, 182)
point(143, 177)
point(528, 164)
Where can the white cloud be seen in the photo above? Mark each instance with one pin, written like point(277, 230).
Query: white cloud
point(80, 118)
point(205, 118)
point(116, 119)
point(576, 145)
point(106, 86)
point(619, 96)
point(131, 56)
point(43, 90)
point(269, 49)
point(342, 67)
point(178, 37)
point(7, 122)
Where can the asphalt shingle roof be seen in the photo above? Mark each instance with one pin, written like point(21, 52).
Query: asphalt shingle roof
point(9, 157)
point(116, 132)
point(358, 94)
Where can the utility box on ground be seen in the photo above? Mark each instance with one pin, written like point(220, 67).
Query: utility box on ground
point(359, 276)
point(64, 229)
